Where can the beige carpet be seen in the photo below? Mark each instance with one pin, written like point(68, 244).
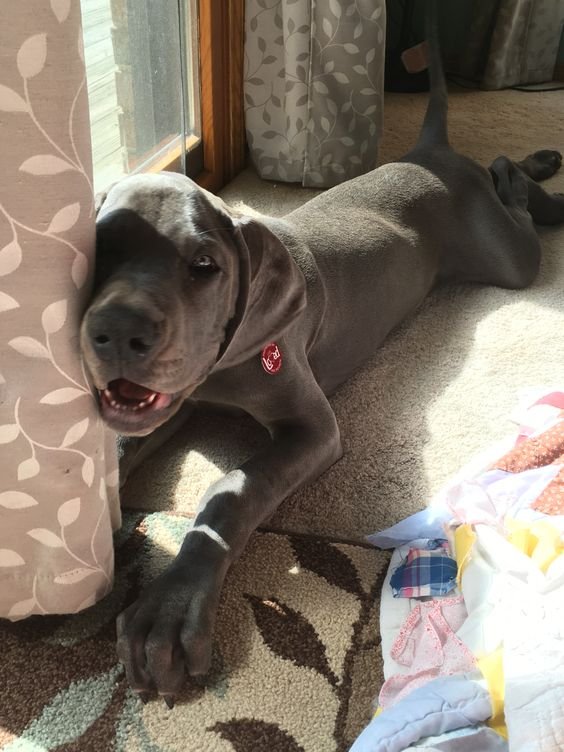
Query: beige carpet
point(442, 386)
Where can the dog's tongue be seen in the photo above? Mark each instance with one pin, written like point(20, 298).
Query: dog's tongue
point(129, 390)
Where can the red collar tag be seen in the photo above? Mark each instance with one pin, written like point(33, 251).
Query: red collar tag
point(271, 358)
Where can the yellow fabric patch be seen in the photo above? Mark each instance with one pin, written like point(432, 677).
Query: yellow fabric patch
point(378, 712)
point(491, 667)
point(539, 541)
point(464, 539)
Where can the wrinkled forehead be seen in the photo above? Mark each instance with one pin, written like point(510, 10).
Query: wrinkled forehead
point(162, 201)
point(168, 202)
point(158, 215)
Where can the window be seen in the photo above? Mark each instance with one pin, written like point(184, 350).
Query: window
point(165, 87)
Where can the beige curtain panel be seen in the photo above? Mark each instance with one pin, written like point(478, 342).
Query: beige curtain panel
point(58, 471)
point(524, 44)
point(314, 83)
point(507, 43)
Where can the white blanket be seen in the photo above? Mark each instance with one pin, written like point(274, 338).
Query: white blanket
point(512, 604)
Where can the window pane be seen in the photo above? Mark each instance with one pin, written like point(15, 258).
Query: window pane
point(141, 66)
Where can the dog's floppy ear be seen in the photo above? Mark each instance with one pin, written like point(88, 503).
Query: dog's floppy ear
point(272, 293)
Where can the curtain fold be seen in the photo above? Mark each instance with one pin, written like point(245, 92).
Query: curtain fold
point(507, 42)
point(314, 80)
point(524, 43)
point(58, 469)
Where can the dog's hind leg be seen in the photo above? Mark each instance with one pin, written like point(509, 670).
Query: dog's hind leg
point(517, 189)
point(514, 252)
point(513, 256)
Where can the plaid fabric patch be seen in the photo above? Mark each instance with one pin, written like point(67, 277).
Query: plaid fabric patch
point(424, 572)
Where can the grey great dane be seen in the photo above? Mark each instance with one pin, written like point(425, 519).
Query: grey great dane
point(194, 301)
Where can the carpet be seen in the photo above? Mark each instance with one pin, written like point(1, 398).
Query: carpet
point(297, 659)
point(295, 664)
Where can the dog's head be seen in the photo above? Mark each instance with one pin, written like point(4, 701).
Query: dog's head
point(183, 286)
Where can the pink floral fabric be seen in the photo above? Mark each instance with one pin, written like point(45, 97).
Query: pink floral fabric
point(428, 647)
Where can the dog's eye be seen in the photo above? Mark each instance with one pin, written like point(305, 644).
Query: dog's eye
point(203, 264)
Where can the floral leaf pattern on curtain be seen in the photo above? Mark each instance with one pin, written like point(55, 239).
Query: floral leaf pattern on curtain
point(506, 43)
point(314, 88)
point(58, 473)
point(524, 44)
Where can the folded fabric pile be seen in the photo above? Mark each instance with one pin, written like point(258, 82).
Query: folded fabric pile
point(472, 613)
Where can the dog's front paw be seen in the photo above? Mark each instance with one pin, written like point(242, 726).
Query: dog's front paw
point(168, 632)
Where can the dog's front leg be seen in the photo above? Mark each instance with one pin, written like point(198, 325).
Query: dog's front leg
point(169, 628)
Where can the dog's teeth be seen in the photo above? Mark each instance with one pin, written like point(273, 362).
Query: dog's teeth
point(135, 407)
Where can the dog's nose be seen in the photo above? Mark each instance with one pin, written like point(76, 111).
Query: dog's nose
point(120, 333)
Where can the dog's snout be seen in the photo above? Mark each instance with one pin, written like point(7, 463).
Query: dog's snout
point(117, 332)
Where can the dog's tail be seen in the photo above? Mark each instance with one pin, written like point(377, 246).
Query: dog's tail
point(435, 128)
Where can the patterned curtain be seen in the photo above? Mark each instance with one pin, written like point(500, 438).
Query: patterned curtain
point(314, 80)
point(58, 474)
point(525, 43)
point(509, 42)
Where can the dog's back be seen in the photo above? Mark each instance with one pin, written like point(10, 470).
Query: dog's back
point(391, 234)
point(377, 235)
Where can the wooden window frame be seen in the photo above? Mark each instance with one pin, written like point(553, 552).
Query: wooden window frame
point(222, 32)
point(221, 44)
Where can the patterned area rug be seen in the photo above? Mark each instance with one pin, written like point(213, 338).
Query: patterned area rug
point(296, 659)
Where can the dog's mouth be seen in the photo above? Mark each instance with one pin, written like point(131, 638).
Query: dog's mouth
point(124, 399)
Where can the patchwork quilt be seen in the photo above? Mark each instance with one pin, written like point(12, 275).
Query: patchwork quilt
point(480, 667)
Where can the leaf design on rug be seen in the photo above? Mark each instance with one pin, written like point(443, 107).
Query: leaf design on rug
point(101, 734)
point(245, 734)
point(327, 561)
point(290, 635)
point(72, 711)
